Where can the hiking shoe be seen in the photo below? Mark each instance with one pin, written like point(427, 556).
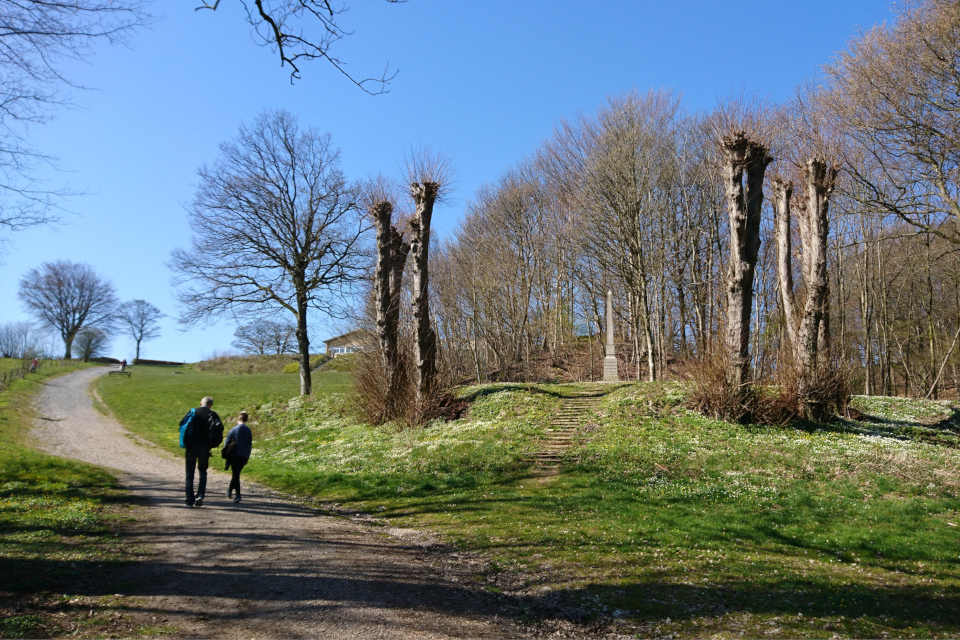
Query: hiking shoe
point(189, 505)
point(237, 499)
point(199, 502)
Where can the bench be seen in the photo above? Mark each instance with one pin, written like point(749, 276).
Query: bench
point(120, 373)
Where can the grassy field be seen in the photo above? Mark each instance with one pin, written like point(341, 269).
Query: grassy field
point(57, 519)
point(154, 399)
point(661, 521)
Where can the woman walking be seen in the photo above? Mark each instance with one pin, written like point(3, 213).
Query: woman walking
point(237, 450)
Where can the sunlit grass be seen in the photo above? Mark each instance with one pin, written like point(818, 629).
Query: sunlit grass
point(53, 512)
point(154, 399)
point(662, 520)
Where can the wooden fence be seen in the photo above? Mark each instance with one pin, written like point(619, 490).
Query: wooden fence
point(23, 370)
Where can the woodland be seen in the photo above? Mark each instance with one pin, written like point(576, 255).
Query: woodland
point(815, 235)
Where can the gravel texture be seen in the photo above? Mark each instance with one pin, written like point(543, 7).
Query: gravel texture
point(267, 567)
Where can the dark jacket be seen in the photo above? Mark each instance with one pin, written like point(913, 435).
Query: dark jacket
point(209, 417)
point(244, 438)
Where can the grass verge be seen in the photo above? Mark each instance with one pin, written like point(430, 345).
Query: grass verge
point(58, 521)
point(661, 522)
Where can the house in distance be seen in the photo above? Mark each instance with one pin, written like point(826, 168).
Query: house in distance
point(347, 343)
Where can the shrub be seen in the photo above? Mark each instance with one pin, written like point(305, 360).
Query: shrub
point(715, 394)
point(826, 394)
point(785, 400)
point(377, 404)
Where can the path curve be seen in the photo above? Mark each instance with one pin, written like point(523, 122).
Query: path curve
point(267, 567)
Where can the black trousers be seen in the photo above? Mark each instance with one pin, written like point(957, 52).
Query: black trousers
point(197, 459)
point(236, 466)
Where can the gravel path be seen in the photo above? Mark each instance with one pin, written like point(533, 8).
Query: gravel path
point(267, 567)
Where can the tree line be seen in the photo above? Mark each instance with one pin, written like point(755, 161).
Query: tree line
point(638, 198)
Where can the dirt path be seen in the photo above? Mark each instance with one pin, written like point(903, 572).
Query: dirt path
point(266, 567)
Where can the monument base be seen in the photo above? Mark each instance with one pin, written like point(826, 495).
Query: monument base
point(610, 373)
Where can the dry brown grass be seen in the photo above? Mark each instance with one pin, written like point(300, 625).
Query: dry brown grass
point(782, 401)
point(377, 404)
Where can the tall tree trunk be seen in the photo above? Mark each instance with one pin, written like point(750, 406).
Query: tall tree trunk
point(809, 336)
point(392, 252)
point(303, 344)
point(744, 202)
point(424, 195)
point(68, 345)
point(382, 213)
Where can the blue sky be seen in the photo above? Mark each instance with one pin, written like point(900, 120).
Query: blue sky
point(483, 81)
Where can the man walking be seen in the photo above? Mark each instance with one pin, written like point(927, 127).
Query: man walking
point(207, 431)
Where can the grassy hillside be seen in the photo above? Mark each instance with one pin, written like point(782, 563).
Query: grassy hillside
point(153, 400)
point(662, 521)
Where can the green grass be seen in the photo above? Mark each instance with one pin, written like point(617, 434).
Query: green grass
point(153, 400)
point(57, 518)
point(661, 520)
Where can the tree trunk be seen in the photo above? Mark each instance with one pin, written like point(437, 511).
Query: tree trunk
point(137, 357)
point(391, 258)
point(303, 343)
point(68, 345)
point(782, 192)
point(744, 203)
point(809, 336)
point(424, 195)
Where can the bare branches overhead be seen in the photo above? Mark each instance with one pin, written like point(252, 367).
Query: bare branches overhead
point(304, 30)
point(36, 38)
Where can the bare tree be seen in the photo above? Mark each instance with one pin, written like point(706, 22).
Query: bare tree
point(806, 336)
point(91, 343)
point(742, 154)
point(140, 320)
point(276, 226)
point(896, 95)
point(392, 252)
point(16, 339)
point(304, 30)
point(36, 38)
point(68, 296)
point(261, 337)
point(429, 175)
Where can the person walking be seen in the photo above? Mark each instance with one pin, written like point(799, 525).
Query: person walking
point(236, 449)
point(207, 431)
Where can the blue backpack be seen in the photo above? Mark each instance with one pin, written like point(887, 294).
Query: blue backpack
point(188, 429)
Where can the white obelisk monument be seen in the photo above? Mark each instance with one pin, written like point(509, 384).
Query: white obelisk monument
point(610, 373)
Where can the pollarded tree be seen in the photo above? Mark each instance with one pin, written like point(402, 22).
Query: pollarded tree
point(276, 226)
point(742, 154)
point(392, 252)
point(68, 297)
point(139, 319)
point(428, 173)
point(806, 336)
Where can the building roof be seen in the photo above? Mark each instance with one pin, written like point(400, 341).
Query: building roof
point(349, 337)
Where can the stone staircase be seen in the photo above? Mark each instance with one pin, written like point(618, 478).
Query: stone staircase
point(574, 411)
